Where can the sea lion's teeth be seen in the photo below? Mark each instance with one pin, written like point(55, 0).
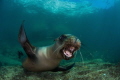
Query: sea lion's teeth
point(72, 48)
point(67, 53)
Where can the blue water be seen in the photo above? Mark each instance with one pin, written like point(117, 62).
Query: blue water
point(95, 22)
point(104, 4)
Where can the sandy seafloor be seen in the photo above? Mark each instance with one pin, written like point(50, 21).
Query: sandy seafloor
point(95, 69)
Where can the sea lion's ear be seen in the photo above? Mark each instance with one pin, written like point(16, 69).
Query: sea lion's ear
point(56, 39)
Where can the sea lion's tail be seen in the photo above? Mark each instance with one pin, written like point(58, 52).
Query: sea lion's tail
point(28, 48)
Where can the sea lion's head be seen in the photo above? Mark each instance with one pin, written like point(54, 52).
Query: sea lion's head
point(68, 45)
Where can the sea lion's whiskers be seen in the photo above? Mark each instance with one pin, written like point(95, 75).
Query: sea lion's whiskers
point(75, 56)
point(81, 57)
point(57, 49)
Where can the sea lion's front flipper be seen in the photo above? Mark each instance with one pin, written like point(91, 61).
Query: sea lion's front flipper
point(63, 68)
point(28, 48)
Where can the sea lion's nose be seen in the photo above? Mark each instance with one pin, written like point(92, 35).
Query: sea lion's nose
point(74, 39)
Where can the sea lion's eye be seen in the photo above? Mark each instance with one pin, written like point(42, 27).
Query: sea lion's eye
point(62, 37)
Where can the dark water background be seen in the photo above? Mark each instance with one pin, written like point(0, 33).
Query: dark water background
point(98, 31)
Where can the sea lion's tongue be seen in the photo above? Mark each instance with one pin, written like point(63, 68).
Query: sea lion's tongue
point(67, 53)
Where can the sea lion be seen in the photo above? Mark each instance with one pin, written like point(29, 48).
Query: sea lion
point(47, 58)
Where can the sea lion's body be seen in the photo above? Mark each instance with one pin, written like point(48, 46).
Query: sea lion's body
point(47, 58)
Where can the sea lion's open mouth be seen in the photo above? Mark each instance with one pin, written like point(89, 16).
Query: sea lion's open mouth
point(68, 53)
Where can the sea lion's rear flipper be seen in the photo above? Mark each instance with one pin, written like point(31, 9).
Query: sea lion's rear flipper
point(28, 48)
point(63, 68)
